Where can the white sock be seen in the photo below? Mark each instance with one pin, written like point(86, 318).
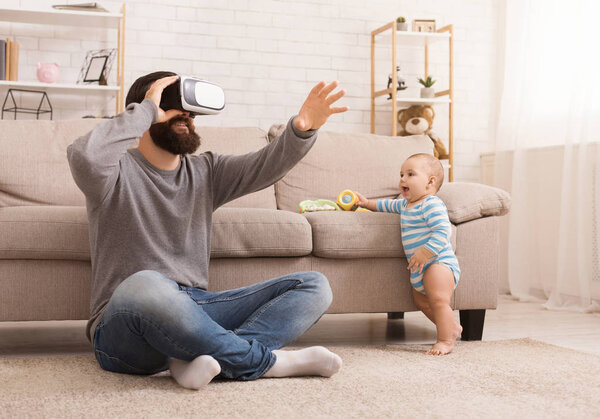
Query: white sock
point(194, 374)
point(315, 360)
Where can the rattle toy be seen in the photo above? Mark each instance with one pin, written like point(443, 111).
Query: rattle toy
point(347, 200)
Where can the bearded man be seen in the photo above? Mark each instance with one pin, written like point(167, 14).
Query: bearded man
point(150, 212)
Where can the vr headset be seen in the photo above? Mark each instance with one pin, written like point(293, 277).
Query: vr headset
point(192, 94)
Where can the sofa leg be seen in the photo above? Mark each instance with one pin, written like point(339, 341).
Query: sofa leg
point(396, 315)
point(472, 323)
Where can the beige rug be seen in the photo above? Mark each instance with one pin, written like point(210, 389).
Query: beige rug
point(512, 378)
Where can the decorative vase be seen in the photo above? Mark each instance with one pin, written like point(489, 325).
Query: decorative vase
point(402, 26)
point(48, 72)
point(427, 92)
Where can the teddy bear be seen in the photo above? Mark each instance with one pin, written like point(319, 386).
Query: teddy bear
point(418, 119)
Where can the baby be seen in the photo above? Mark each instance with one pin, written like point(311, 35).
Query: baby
point(434, 270)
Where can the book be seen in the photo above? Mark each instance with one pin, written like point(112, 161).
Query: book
point(14, 61)
point(87, 7)
point(2, 59)
point(7, 60)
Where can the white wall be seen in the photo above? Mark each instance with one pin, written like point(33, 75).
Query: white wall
point(267, 54)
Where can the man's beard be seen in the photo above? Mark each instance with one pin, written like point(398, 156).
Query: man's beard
point(165, 137)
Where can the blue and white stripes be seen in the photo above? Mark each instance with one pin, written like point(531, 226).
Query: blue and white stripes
point(425, 224)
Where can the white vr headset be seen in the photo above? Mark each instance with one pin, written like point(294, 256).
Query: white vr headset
point(192, 94)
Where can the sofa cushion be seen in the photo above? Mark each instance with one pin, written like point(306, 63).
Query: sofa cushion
point(366, 163)
point(44, 232)
point(33, 162)
point(59, 232)
point(362, 234)
point(238, 141)
point(240, 233)
point(469, 201)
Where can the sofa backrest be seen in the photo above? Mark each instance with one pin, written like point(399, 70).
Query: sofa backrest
point(367, 163)
point(34, 168)
point(33, 162)
point(238, 140)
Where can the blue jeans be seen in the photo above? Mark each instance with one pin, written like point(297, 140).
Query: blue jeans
point(151, 319)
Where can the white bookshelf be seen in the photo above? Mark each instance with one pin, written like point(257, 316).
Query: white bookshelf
point(53, 17)
point(61, 87)
point(61, 17)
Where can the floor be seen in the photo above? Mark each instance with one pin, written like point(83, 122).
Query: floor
point(511, 320)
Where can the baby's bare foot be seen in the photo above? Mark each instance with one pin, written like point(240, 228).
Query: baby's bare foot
point(441, 348)
point(457, 331)
point(445, 347)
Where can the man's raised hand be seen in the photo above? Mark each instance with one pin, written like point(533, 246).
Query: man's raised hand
point(317, 107)
point(154, 93)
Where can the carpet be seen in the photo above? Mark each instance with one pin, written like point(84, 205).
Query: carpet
point(510, 378)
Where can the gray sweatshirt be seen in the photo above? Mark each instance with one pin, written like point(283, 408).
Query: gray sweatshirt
point(142, 217)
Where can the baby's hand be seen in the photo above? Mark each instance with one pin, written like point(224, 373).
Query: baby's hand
point(419, 259)
point(362, 201)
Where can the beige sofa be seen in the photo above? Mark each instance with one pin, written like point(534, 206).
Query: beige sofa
point(44, 243)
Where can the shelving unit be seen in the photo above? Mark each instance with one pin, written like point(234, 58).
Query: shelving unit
point(61, 87)
point(74, 18)
point(445, 97)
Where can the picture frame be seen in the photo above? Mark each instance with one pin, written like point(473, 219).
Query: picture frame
point(423, 25)
point(96, 67)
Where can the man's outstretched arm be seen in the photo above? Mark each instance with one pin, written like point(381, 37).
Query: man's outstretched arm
point(235, 176)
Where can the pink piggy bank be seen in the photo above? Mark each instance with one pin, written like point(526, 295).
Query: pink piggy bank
point(47, 72)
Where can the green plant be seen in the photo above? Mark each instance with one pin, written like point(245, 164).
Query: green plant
point(427, 82)
point(401, 19)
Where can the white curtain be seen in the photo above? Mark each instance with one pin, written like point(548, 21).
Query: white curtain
point(548, 151)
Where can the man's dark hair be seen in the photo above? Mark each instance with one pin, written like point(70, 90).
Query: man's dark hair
point(170, 98)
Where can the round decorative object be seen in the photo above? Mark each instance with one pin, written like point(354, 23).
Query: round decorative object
point(48, 72)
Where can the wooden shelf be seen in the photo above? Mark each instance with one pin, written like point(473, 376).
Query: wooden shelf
point(393, 40)
point(409, 101)
point(61, 17)
point(416, 39)
point(61, 87)
point(423, 101)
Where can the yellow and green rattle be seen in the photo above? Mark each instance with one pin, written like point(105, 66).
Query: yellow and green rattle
point(347, 200)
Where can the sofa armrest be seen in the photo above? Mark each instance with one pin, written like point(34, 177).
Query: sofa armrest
point(469, 201)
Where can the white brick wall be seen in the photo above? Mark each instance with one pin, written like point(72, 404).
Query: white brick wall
point(267, 54)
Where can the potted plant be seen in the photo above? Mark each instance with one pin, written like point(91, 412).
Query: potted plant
point(401, 23)
point(427, 91)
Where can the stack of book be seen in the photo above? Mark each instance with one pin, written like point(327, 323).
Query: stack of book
point(9, 60)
